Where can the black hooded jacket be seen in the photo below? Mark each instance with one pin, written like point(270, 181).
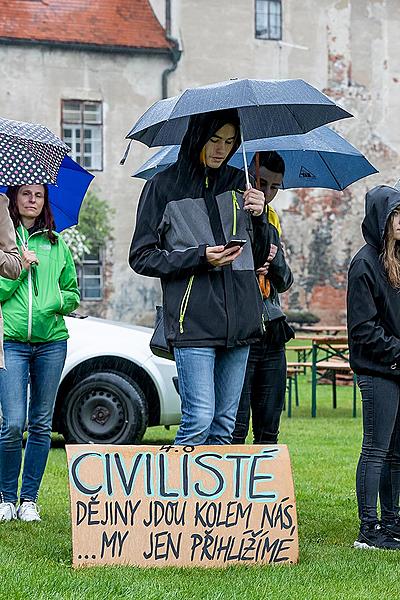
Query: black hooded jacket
point(373, 305)
point(183, 210)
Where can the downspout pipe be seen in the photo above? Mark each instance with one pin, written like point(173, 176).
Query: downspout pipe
point(175, 55)
point(175, 52)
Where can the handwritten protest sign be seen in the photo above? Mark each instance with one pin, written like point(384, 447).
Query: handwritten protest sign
point(182, 505)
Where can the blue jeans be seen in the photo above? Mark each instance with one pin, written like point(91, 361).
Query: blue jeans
point(378, 469)
point(210, 383)
point(41, 365)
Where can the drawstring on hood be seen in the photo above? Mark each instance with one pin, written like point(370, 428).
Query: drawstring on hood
point(380, 202)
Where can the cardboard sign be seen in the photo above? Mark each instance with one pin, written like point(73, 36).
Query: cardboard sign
point(182, 505)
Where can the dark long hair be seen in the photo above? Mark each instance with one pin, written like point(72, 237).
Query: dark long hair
point(44, 221)
point(188, 175)
point(391, 252)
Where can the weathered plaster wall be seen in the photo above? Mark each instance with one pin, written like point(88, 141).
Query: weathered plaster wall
point(34, 80)
point(349, 49)
point(362, 72)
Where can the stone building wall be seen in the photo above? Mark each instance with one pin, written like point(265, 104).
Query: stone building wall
point(348, 49)
point(34, 81)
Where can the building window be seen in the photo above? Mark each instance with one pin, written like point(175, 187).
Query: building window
point(269, 19)
point(90, 275)
point(82, 131)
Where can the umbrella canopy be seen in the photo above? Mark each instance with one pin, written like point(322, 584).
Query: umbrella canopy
point(266, 108)
point(29, 153)
point(66, 197)
point(163, 158)
point(320, 158)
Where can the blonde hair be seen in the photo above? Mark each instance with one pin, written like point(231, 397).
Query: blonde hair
point(391, 253)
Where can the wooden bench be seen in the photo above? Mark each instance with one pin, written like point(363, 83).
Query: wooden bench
point(303, 352)
point(292, 382)
point(329, 369)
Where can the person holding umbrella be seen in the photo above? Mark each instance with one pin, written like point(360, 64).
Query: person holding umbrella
point(265, 382)
point(373, 309)
point(10, 260)
point(212, 303)
point(35, 345)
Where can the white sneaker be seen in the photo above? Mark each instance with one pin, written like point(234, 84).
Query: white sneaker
point(7, 511)
point(28, 511)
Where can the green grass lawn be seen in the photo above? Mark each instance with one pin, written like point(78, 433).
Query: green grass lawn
point(35, 559)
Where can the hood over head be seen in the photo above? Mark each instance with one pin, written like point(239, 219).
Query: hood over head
point(380, 202)
point(187, 176)
point(201, 128)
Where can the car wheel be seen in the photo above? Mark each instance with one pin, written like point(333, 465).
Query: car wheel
point(104, 408)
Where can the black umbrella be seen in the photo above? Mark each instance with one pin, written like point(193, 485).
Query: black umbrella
point(266, 108)
point(29, 153)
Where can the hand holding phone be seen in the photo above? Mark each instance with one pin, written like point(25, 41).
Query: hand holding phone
point(217, 257)
point(234, 243)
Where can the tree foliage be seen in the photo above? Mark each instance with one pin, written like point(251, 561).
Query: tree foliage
point(94, 228)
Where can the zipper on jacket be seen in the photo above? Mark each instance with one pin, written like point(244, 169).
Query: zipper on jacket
point(24, 243)
point(184, 303)
point(236, 207)
point(29, 304)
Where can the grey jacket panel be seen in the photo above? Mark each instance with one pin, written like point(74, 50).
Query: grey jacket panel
point(185, 224)
point(177, 234)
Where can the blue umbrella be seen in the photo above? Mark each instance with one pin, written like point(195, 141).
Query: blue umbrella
point(319, 158)
point(67, 196)
point(266, 108)
point(160, 160)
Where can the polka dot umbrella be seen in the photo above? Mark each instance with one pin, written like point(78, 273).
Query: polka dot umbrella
point(67, 196)
point(29, 153)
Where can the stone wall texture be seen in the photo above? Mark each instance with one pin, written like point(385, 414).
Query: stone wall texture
point(350, 49)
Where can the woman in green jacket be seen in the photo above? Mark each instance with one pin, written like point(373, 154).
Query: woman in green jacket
point(35, 347)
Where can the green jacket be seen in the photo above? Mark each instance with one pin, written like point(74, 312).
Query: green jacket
point(34, 303)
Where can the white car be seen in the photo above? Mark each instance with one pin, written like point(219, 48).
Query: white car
point(112, 386)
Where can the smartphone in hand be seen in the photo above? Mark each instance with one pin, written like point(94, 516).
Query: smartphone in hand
point(232, 243)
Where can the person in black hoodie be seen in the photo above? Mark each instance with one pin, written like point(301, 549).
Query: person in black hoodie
point(373, 315)
point(264, 386)
point(211, 298)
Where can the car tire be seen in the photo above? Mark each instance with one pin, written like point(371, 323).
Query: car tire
point(104, 408)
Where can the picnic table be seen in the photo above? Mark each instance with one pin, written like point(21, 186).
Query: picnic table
point(324, 329)
point(328, 353)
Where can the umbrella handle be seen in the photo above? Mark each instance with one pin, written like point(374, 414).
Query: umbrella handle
point(246, 169)
point(125, 156)
point(258, 184)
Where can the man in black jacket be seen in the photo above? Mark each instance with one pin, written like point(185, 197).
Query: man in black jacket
point(265, 382)
point(211, 300)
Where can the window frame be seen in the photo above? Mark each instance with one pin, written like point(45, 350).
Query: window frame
point(81, 277)
point(271, 39)
point(82, 124)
